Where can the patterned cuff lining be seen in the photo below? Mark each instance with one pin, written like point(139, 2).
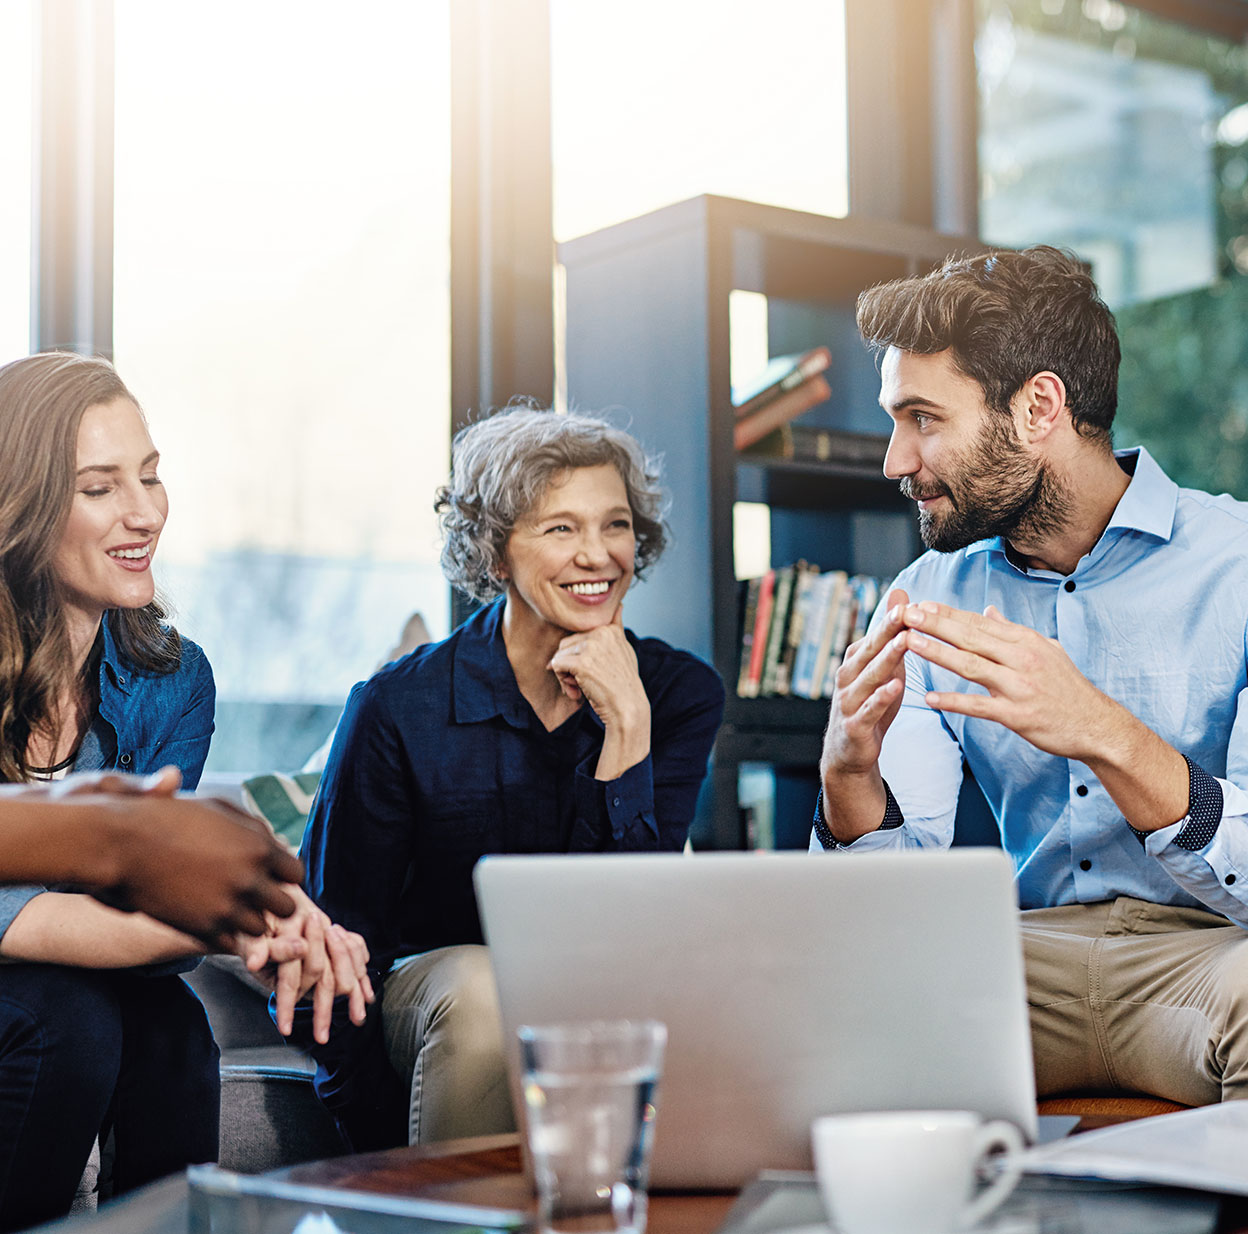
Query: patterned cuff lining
point(1204, 810)
point(893, 818)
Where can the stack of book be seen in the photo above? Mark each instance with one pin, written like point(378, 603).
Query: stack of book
point(809, 443)
point(788, 386)
point(796, 623)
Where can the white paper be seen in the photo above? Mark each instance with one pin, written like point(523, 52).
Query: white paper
point(1206, 1149)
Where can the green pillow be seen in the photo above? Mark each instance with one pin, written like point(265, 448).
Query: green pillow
point(283, 801)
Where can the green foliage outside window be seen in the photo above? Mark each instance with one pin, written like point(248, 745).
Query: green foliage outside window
point(1183, 391)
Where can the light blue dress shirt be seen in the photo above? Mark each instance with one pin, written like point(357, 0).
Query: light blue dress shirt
point(1156, 616)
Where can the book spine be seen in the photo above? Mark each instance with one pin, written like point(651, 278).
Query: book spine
point(762, 620)
point(832, 615)
point(805, 367)
point(808, 443)
point(754, 428)
point(868, 597)
point(812, 628)
point(803, 580)
point(778, 628)
point(747, 635)
point(840, 639)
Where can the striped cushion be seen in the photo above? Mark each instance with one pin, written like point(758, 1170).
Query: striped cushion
point(283, 801)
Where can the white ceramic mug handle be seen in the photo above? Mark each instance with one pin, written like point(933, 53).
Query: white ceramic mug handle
point(998, 1134)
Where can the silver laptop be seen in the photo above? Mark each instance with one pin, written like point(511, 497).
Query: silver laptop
point(791, 985)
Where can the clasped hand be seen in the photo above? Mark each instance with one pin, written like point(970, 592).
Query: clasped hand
point(307, 953)
point(301, 953)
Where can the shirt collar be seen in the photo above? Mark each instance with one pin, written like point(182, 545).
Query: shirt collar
point(110, 659)
point(1151, 499)
point(1147, 506)
point(482, 683)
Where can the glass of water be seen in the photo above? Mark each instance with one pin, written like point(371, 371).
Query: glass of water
point(590, 1094)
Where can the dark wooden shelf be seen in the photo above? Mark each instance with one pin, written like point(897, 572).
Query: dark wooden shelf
point(776, 714)
point(782, 747)
point(816, 486)
point(648, 337)
point(776, 251)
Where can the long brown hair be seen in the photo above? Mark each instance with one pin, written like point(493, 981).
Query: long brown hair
point(42, 401)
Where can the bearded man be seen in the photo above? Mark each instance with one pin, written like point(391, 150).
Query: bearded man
point(1078, 634)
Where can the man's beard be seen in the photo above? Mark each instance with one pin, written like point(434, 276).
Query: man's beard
point(995, 490)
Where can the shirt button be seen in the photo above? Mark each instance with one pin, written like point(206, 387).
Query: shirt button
point(1082, 790)
point(125, 760)
point(121, 681)
point(615, 801)
point(1229, 879)
point(1069, 584)
point(1085, 864)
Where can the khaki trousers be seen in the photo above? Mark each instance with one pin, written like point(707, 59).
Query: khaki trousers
point(441, 1023)
point(1139, 997)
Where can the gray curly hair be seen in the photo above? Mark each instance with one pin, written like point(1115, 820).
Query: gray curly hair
point(501, 468)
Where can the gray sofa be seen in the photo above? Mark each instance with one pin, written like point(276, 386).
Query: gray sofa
point(270, 1116)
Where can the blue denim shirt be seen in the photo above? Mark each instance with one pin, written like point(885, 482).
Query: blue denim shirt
point(144, 721)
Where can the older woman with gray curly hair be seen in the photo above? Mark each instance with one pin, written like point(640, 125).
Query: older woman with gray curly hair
point(542, 725)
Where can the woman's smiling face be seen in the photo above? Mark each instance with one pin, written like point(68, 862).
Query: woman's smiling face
point(116, 515)
point(569, 561)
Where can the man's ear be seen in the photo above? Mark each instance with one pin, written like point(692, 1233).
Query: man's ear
point(1040, 406)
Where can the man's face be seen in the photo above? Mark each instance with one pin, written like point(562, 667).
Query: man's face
point(963, 463)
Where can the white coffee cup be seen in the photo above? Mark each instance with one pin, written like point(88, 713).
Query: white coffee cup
point(901, 1171)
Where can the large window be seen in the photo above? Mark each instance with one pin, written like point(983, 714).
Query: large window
point(281, 309)
point(656, 101)
point(1125, 137)
point(16, 116)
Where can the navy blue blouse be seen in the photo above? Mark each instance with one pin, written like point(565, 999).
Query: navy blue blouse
point(439, 760)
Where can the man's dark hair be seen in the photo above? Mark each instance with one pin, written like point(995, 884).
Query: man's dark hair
point(1006, 316)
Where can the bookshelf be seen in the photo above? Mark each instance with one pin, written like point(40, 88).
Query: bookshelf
point(648, 338)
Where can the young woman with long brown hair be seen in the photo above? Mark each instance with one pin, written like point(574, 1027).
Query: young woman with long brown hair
point(97, 1031)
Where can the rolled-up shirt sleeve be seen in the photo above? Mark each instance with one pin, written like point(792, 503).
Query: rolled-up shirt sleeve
point(13, 900)
point(1206, 851)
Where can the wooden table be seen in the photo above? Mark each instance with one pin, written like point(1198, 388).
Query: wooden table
point(488, 1171)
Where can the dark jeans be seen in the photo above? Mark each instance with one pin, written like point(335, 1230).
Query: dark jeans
point(83, 1051)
